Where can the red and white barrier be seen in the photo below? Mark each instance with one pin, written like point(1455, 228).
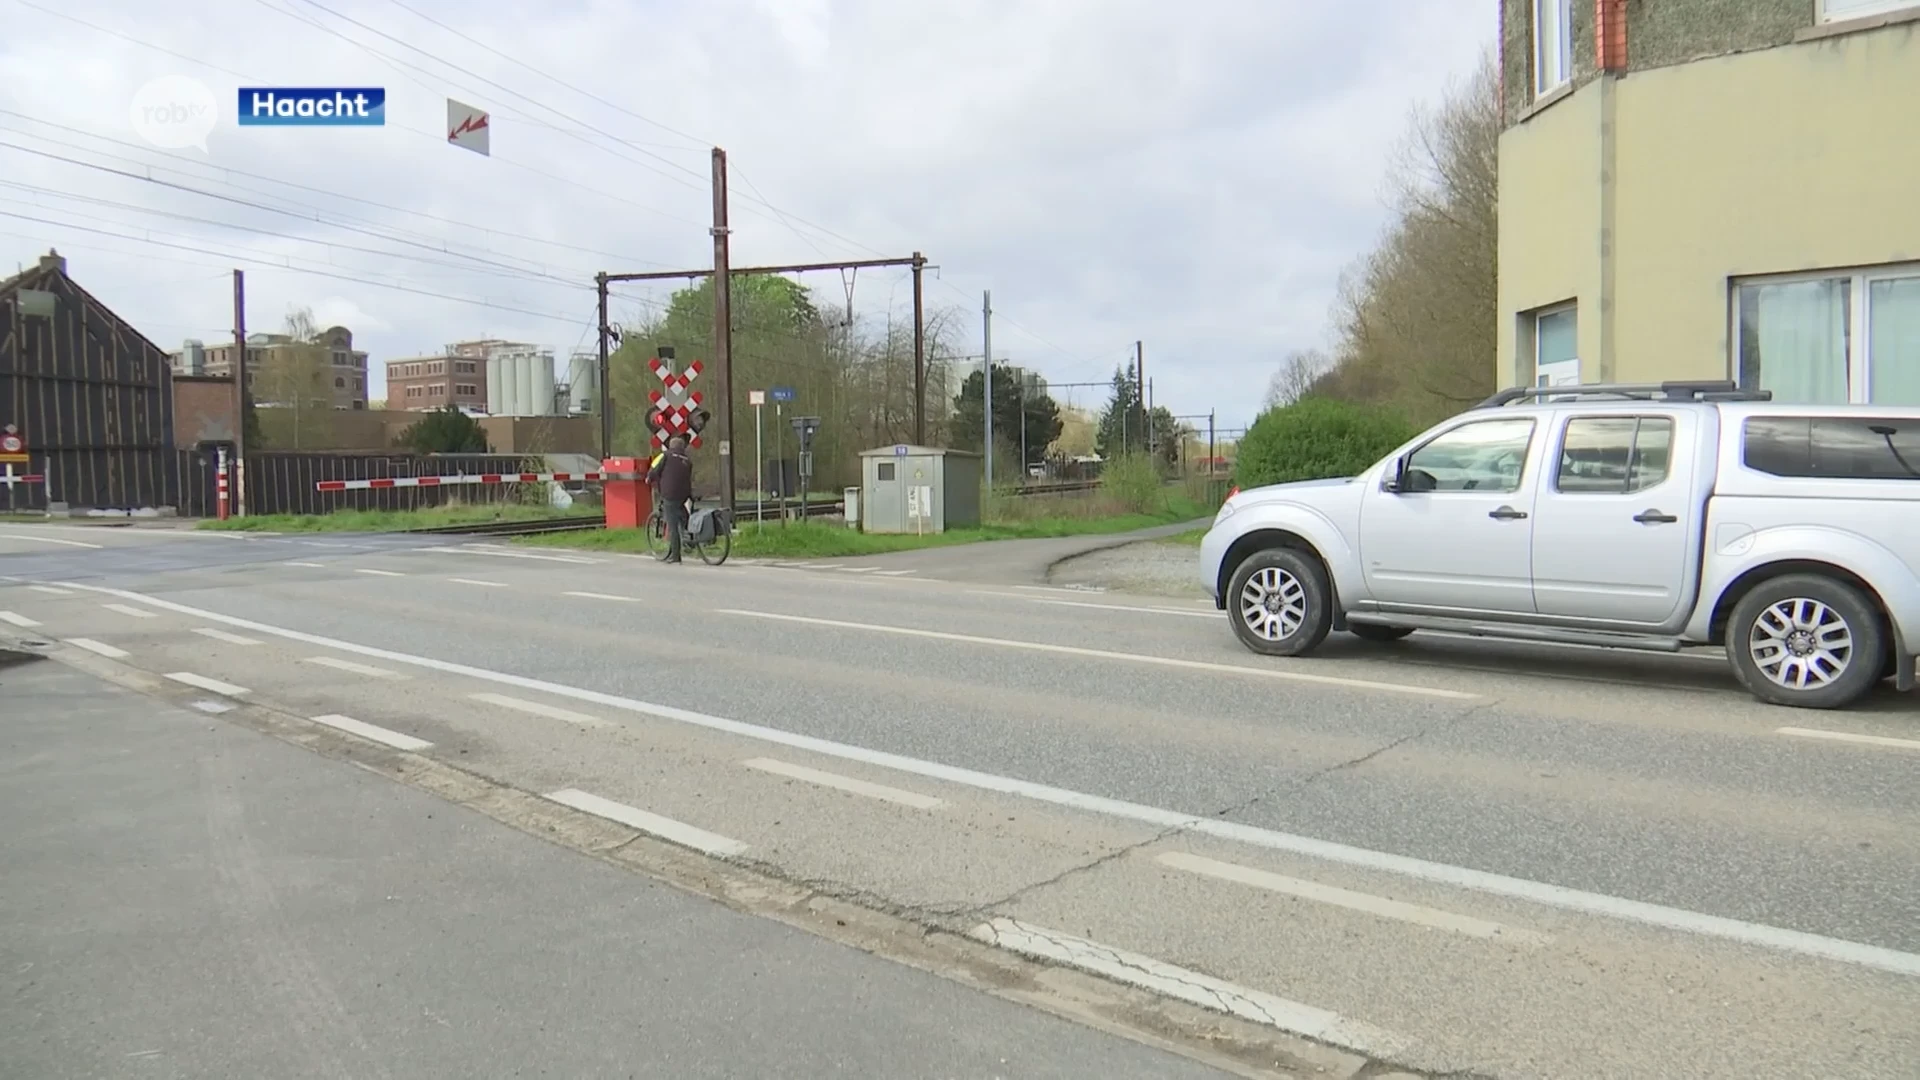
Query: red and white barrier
point(10, 478)
point(477, 478)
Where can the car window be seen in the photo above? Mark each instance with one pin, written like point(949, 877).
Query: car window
point(1487, 455)
point(1867, 448)
point(1614, 455)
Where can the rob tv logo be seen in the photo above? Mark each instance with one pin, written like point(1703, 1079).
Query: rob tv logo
point(309, 106)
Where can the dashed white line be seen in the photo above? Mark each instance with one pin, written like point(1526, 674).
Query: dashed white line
point(1141, 609)
point(218, 634)
point(48, 540)
point(603, 596)
point(477, 581)
point(677, 832)
point(214, 707)
point(894, 573)
point(100, 648)
point(51, 590)
point(1717, 927)
point(1354, 901)
point(846, 783)
point(501, 554)
point(379, 573)
point(201, 682)
point(130, 611)
point(395, 739)
point(1103, 654)
point(309, 565)
point(367, 670)
point(16, 619)
point(534, 708)
point(856, 569)
point(1847, 736)
point(1205, 991)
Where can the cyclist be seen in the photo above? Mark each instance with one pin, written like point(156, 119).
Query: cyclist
point(671, 474)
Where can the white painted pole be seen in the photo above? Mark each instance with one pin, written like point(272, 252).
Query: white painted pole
point(759, 467)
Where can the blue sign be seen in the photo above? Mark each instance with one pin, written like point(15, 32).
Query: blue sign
point(308, 106)
point(899, 451)
point(781, 393)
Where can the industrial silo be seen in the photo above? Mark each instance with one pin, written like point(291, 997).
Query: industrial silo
point(496, 388)
point(523, 400)
point(540, 363)
point(583, 375)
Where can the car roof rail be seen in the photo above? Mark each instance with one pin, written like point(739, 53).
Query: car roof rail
point(1717, 390)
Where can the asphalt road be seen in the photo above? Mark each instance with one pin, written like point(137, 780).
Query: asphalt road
point(1453, 856)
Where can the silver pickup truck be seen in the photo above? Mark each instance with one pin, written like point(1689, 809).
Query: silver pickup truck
point(1652, 517)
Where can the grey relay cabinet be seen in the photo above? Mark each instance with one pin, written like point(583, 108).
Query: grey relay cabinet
point(907, 489)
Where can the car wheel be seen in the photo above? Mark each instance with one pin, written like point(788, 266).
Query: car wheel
point(1278, 603)
point(1373, 632)
point(1806, 641)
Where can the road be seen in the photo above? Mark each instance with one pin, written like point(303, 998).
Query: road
point(1441, 856)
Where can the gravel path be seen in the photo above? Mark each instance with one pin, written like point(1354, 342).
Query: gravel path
point(1151, 567)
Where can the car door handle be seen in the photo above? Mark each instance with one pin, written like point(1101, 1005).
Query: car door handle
point(1507, 513)
point(1654, 517)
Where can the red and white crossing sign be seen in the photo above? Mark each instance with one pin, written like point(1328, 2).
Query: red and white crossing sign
point(676, 401)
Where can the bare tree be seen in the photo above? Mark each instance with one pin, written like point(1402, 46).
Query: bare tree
point(1296, 378)
point(294, 386)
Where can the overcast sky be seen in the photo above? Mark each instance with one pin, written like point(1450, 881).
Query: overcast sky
point(1192, 175)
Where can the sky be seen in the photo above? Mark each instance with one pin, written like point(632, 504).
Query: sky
point(1191, 176)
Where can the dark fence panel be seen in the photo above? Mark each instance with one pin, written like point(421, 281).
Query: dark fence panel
point(92, 399)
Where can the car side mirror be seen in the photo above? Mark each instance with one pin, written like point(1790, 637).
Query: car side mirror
point(1396, 477)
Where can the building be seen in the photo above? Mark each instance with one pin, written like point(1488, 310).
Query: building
point(344, 374)
point(433, 382)
point(518, 377)
point(1712, 189)
point(90, 396)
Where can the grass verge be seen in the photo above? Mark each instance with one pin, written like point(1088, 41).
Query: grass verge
point(387, 520)
point(821, 540)
point(1190, 538)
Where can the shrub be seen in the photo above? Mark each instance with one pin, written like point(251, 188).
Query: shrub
point(1133, 481)
point(1317, 438)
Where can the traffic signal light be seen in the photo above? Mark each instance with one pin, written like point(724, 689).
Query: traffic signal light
point(698, 421)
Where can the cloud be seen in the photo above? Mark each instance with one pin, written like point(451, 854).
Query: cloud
point(1193, 176)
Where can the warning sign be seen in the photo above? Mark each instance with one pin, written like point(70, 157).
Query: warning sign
point(12, 447)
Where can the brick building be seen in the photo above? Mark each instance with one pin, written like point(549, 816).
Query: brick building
point(345, 368)
point(432, 382)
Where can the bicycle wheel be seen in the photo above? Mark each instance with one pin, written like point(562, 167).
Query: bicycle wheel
point(657, 534)
point(715, 551)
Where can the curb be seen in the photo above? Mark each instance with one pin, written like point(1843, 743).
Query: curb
point(1046, 575)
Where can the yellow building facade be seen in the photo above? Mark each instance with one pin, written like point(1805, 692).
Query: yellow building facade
point(1712, 189)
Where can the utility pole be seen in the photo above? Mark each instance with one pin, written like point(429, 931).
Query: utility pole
point(986, 389)
point(1211, 453)
point(723, 325)
point(1152, 428)
point(606, 412)
point(919, 352)
point(1140, 377)
point(238, 481)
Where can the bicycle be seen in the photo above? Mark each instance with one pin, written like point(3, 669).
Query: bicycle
point(713, 524)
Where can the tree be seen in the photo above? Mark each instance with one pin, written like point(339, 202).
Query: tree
point(1416, 318)
point(1296, 377)
point(1018, 409)
point(295, 380)
point(1123, 423)
point(445, 430)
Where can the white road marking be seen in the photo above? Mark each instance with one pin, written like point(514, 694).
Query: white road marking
point(1356, 901)
point(48, 540)
point(368, 670)
point(603, 596)
point(856, 569)
point(1056, 589)
point(678, 832)
point(201, 682)
point(379, 573)
point(1103, 654)
point(503, 554)
point(218, 634)
point(369, 731)
point(477, 581)
point(100, 648)
point(1190, 986)
point(846, 783)
point(1545, 894)
point(537, 709)
point(896, 573)
point(1846, 736)
point(16, 619)
point(51, 590)
point(322, 544)
point(130, 611)
point(1099, 607)
point(215, 707)
point(309, 565)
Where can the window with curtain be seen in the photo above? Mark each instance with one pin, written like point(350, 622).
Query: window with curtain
point(1842, 10)
point(1552, 44)
point(1832, 339)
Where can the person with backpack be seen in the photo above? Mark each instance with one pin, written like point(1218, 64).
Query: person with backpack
point(672, 478)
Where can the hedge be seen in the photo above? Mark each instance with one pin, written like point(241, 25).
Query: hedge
point(1317, 438)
